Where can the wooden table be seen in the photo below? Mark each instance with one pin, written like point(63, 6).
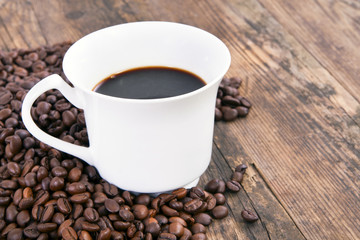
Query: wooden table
point(300, 64)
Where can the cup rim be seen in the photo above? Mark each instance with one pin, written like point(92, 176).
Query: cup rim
point(216, 79)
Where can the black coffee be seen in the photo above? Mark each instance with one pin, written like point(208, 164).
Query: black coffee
point(149, 83)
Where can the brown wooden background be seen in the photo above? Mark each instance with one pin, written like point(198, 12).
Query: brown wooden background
point(300, 65)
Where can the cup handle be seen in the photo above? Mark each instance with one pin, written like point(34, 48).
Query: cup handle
point(53, 82)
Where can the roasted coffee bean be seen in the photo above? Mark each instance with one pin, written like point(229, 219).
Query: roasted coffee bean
point(31, 231)
point(46, 227)
point(187, 235)
point(58, 218)
point(14, 169)
point(91, 215)
point(237, 176)
point(47, 214)
point(161, 219)
point(180, 193)
point(233, 186)
point(64, 206)
point(59, 172)
point(23, 218)
point(69, 234)
point(84, 235)
point(220, 212)
point(241, 168)
point(169, 212)
point(126, 215)
point(5, 113)
point(176, 228)
point(177, 205)
point(196, 192)
point(112, 206)
point(249, 216)
point(242, 111)
point(56, 184)
point(203, 218)
point(130, 232)
point(41, 197)
point(43, 108)
point(167, 236)
point(30, 179)
point(67, 223)
point(11, 213)
point(99, 197)
point(198, 228)
point(76, 188)
point(74, 175)
point(213, 185)
point(220, 198)
point(90, 227)
point(15, 234)
point(143, 199)
point(105, 234)
point(80, 197)
point(193, 205)
point(8, 184)
point(78, 210)
point(198, 236)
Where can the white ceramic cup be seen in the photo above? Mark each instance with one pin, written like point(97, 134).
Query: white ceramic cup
point(150, 145)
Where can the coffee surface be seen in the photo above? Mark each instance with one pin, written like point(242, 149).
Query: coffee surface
point(149, 83)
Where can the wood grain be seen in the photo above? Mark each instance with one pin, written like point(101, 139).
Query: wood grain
point(299, 62)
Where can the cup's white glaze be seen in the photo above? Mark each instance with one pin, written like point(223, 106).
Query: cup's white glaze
point(151, 145)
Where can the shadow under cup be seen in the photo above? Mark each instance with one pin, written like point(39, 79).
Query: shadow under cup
point(151, 145)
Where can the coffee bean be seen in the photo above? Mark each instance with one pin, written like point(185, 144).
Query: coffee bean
point(176, 228)
point(91, 215)
point(76, 188)
point(58, 218)
point(193, 205)
point(198, 228)
point(64, 206)
point(169, 212)
point(80, 197)
point(47, 214)
point(242, 111)
point(14, 169)
point(30, 179)
point(56, 184)
point(67, 223)
point(5, 113)
point(196, 192)
point(46, 227)
point(84, 235)
point(31, 231)
point(126, 215)
point(15, 234)
point(203, 218)
point(241, 168)
point(233, 186)
point(198, 236)
point(220, 198)
point(90, 227)
point(59, 171)
point(249, 216)
point(220, 212)
point(112, 206)
point(105, 234)
point(177, 205)
point(237, 176)
point(140, 211)
point(69, 234)
point(8, 184)
point(167, 236)
point(213, 185)
point(74, 175)
point(143, 199)
point(180, 193)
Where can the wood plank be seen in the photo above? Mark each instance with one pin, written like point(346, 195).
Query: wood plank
point(298, 133)
point(329, 31)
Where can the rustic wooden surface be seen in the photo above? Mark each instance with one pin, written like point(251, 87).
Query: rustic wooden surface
point(300, 65)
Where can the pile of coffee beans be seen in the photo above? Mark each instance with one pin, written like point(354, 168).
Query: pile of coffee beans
point(229, 104)
point(47, 194)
